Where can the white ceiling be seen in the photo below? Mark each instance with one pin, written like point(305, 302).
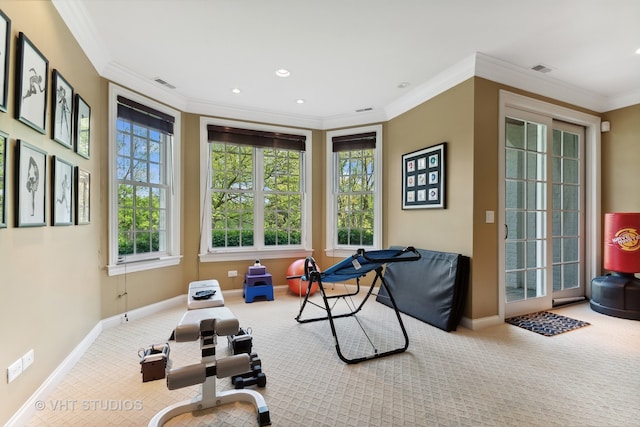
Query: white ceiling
point(348, 55)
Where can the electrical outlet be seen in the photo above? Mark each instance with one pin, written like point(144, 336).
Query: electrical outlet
point(232, 273)
point(27, 359)
point(14, 370)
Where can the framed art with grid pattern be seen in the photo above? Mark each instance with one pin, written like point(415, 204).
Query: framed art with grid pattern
point(423, 178)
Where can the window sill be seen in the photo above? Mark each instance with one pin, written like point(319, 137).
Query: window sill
point(132, 267)
point(345, 252)
point(253, 255)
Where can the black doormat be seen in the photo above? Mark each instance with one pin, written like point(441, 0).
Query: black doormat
point(546, 323)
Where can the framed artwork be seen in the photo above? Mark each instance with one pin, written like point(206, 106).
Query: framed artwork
point(82, 122)
point(83, 196)
point(423, 178)
point(62, 192)
point(32, 70)
point(62, 110)
point(3, 180)
point(5, 53)
point(31, 184)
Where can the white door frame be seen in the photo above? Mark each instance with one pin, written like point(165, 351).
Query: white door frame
point(593, 250)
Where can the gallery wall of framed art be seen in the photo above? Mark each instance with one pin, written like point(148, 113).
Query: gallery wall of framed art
point(46, 187)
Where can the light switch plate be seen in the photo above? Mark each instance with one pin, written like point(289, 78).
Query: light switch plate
point(489, 217)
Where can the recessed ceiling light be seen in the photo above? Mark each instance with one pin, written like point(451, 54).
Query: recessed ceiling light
point(236, 90)
point(283, 72)
point(403, 85)
point(638, 51)
point(300, 101)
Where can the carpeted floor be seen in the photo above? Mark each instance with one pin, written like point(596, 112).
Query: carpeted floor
point(546, 323)
point(497, 376)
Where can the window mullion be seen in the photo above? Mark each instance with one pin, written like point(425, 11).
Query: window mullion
point(259, 194)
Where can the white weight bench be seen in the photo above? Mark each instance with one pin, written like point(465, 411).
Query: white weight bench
point(216, 300)
point(206, 324)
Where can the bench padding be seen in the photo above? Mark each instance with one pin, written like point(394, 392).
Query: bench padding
point(218, 319)
point(217, 300)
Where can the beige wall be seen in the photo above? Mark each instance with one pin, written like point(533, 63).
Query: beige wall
point(49, 276)
point(621, 161)
point(54, 288)
point(446, 118)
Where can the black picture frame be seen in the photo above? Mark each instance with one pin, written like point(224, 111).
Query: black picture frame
point(62, 193)
point(424, 178)
point(3, 179)
point(31, 185)
point(32, 81)
point(83, 196)
point(5, 54)
point(61, 110)
point(82, 122)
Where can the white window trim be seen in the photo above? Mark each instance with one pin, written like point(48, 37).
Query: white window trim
point(333, 249)
point(240, 254)
point(173, 255)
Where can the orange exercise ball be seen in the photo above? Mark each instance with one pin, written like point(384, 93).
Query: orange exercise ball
point(298, 286)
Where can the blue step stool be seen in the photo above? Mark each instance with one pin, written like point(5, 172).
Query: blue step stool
point(250, 292)
point(257, 283)
point(258, 279)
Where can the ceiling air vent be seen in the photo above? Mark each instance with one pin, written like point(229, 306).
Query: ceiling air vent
point(362, 110)
point(164, 83)
point(541, 68)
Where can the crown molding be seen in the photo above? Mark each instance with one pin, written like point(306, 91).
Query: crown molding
point(622, 101)
point(442, 82)
point(355, 119)
point(242, 113)
point(506, 73)
point(75, 16)
point(123, 76)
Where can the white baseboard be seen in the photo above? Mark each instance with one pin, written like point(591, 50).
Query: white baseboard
point(480, 323)
point(145, 311)
point(28, 409)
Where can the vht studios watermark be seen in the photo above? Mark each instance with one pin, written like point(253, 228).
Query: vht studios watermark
point(72, 405)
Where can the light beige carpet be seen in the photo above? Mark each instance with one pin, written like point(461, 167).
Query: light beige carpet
point(498, 376)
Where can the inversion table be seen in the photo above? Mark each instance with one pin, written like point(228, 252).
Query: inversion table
point(354, 267)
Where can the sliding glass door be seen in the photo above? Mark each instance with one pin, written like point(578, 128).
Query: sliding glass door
point(567, 204)
point(542, 251)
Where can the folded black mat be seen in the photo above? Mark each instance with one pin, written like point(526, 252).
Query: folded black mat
point(432, 289)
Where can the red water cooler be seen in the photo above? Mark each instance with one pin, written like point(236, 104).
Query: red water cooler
point(618, 293)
